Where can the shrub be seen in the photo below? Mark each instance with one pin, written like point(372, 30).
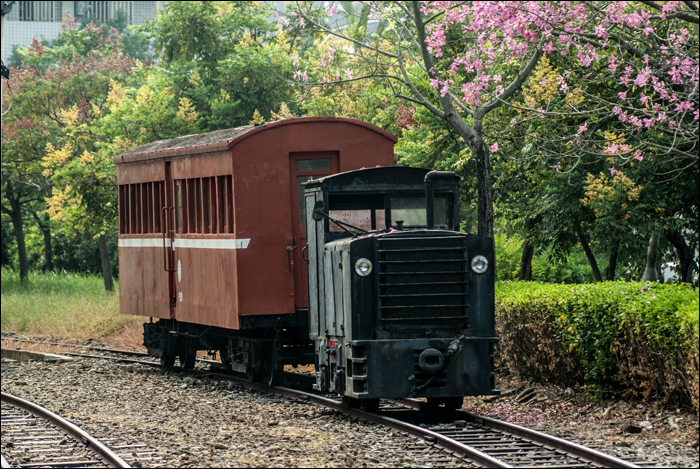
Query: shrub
point(638, 339)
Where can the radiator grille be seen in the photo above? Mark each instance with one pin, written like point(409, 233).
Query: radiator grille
point(422, 277)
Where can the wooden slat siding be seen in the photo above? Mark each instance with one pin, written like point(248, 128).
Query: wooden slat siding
point(191, 227)
point(206, 206)
point(147, 171)
point(132, 209)
point(185, 207)
point(214, 206)
point(155, 207)
point(158, 207)
point(230, 200)
point(122, 209)
point(198, 205)
point(147, 207)
point(162, 204)
point(139, 207)
point(203, 165)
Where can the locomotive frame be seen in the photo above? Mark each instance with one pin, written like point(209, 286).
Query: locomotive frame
point(213, 246)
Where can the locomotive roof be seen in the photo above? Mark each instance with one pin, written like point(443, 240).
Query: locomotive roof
point(389, 176)
point(219, 140)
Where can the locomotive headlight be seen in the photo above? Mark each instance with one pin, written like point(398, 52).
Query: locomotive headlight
point(363, 267)
point(480, 264)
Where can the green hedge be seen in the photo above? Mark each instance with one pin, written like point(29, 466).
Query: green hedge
point(640, 339)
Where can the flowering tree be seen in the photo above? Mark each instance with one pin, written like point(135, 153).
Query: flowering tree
point(476, 56)
point(52, 87)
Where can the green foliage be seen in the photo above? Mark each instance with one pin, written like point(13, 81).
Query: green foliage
point(608, 331)
point(225, 58)
point(60, 305)
point(546, 266)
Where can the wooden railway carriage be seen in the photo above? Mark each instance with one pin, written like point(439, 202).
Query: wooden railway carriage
point(212, 230)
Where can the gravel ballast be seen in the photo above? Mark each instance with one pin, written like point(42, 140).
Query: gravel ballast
point(176, 420)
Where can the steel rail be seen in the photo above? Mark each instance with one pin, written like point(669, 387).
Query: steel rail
point(111, 458)
point(516, 431)
point(534, 436)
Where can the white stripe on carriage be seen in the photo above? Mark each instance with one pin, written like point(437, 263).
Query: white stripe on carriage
point(143, 242)
point(186, 243)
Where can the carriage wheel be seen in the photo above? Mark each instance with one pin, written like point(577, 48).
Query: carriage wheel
point(167, 359)
point(187, 354)
point(273, 367)
point(252, 372)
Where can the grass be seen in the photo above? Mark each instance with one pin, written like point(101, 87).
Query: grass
point(71, 306)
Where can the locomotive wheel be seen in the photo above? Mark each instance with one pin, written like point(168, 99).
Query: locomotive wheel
point(187, 354)
point(453, 403)
point(369, 405)
point(450, 403)
point(167, 359)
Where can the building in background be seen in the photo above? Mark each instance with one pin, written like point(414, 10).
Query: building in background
point(28, 20)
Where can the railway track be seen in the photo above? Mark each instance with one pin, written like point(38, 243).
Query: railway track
point(480, 440)
point(32, 436)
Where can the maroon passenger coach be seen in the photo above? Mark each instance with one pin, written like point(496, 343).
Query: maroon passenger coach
point(212, 229)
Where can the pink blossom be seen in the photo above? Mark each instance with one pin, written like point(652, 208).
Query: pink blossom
point(348, 74)
point(638, 156)
point(583, 128)
point(613, 171)
point(494, 147)
point(514, 121)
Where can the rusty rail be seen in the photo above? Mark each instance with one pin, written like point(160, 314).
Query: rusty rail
point(110, 458)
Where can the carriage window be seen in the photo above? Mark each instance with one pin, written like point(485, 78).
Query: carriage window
point(317, 164)
point(204, 205)
point(140, 207)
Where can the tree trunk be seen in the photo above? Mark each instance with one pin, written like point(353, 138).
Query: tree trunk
point(650, 273)
point(589, 254)
point(683, 252)
point(526, 262)
point(45, 227)
point(16, 217)
point(106, 263)
point(612, 262)
point(483, 187)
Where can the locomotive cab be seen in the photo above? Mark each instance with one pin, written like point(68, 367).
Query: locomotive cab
point(401, 304)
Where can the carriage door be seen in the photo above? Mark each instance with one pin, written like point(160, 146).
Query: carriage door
point(305, 166)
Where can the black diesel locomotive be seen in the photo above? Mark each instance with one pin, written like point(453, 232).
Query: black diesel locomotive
point(401, 304)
